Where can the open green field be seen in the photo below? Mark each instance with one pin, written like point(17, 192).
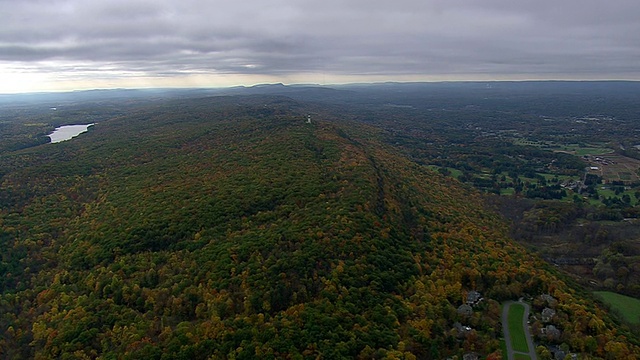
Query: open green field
point(454, 172)
point(575, 149)
point(548, 177)
point(503, 347)
point(524, 142)
point(518, 339)
point(590, 151)
point(584, 149)
point(610, 193)
point(606, 192)
point(521, 357)
point(626, 306)
point(507, 191)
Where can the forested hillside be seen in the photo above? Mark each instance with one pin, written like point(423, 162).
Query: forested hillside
point(229, 227)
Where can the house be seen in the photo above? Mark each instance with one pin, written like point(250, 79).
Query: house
point(465, 310)
point(548, 314)
point(559, 355)
point(551, 332)
point(474, 298)
point(462, 330)
point(549, 300)
point(556, 352)
point(470, 356)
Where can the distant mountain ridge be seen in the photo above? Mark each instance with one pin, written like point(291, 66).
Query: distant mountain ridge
point(324, 92)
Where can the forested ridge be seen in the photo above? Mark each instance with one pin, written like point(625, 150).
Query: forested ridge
point(229, 227)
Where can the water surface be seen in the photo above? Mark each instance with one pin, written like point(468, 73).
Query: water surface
point(67, 132)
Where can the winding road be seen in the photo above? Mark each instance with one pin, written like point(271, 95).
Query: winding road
point(511, 353)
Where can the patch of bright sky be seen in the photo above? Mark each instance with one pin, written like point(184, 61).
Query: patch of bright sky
point(76, 76)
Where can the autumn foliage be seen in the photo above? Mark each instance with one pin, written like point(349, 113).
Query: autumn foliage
point(231, 228)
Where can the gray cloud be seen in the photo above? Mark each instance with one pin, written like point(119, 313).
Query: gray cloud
point(569, 38)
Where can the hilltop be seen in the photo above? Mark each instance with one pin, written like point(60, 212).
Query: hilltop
point(228, 227)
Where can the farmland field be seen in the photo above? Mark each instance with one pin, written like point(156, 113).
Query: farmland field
point(590, 151)
point(575, 149)
point(615, 168)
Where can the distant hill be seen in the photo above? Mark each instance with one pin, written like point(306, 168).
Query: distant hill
point(300, 92)
point(408, 91)
point(228, 227)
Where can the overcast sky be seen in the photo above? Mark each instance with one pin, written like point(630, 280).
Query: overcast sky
point(71, 44)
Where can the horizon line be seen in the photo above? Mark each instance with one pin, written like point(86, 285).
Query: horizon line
point(310, 84)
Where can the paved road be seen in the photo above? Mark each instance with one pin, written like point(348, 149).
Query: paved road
point(507, 336)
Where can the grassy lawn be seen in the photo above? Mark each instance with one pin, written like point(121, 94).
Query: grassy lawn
point(503, 347)
point(626, 306)
point(507, 191)
point(592, 151)
point(576, 149)
point(610, 193)
point(524, 142)
point(585, 149)
point(454, 172)
point(518, 340)
point(606, 192)
point(561, 177)
point(521, 357)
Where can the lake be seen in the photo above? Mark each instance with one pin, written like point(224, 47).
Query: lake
point(67, 132)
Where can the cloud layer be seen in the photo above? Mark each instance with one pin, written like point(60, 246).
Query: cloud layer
point(72, 39)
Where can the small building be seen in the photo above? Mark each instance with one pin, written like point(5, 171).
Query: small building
point(474, 298)
point(548, 314)
point(465, 310)
point(551, 332)
point(462, 330)
point(549, 300)
point(556, 352)
point(470, 356)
